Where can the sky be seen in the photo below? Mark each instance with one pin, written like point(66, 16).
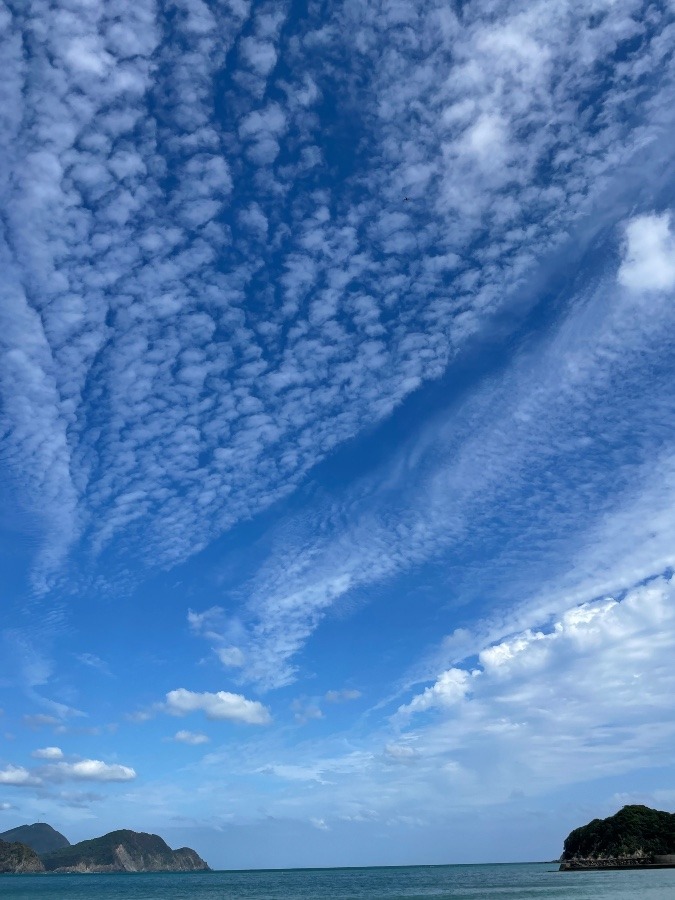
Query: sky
point(337, 423)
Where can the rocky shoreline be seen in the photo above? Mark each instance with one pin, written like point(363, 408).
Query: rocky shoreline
point(618, 862)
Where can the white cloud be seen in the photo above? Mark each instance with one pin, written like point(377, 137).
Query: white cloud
point(231, 656)
point(450, 688)
point(486, 139)
point(260, 55)
point(17, 776)
point(90, 770)
point(587, 697)
point(255, 220)
point(48, 753)
point(649, 255)
point(190, 737)
point(221, 705)
point(87, 56)
point(571, 702)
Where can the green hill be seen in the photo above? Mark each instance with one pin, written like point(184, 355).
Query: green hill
point(636, 836)
point(123, 851)
point(18, 859)
point(39, 837)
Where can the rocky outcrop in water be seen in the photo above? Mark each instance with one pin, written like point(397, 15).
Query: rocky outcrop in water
point(637, 837)
point(18, 859)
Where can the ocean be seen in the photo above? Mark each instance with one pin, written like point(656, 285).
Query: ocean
point(531, 881)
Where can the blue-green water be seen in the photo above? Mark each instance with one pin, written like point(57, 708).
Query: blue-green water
point(534, 881)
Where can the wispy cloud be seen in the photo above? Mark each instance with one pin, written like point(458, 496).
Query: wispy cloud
point(588, 695)
point(191, 737)
point(38, 720)
point(94, 662)
point(537, 431)
point(342, 696)
point(305, 710)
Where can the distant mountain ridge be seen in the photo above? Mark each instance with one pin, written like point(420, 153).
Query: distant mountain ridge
point(636, 837)
point(39, 837)
point(118, 851)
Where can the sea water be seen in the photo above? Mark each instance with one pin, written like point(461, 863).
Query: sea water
point(532, 881)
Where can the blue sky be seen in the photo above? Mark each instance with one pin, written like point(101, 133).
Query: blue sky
point(336, 423)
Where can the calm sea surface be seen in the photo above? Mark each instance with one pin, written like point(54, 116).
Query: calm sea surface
point(534, 881)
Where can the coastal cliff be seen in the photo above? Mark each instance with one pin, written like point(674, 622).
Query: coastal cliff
point(637, 837)
point(123, 851)
point(17, 859)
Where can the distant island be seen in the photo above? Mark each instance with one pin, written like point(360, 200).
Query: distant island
point(637, 837)
point(40, 848)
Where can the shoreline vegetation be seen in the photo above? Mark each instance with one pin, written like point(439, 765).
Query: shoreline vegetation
point(636, 837)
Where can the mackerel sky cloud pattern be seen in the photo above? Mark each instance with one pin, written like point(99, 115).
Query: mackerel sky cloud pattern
point(323, 324)
point(186, 356)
